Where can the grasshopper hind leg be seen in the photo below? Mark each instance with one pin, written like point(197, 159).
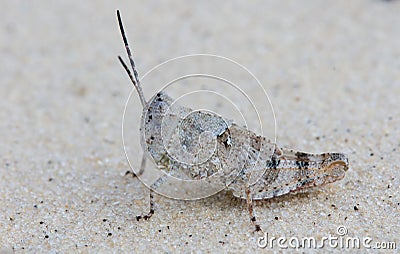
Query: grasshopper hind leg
point(250, 208)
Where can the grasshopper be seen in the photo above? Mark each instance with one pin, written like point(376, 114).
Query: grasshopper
point(196, 145)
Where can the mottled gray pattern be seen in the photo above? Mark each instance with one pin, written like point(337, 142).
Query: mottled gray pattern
point(174, 138)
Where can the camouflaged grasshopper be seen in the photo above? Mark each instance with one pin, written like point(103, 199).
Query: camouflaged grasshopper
point(196, 145)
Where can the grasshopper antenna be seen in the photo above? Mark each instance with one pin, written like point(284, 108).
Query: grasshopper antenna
point(135, 77)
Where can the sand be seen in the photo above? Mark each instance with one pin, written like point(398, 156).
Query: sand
point(332, 72)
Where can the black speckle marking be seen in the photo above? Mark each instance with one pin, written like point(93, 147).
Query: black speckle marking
point(355, 208)
point(301, 156)
point(302, 164)
point(273, 163)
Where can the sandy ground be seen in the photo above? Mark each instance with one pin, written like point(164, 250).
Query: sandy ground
point(332, 71)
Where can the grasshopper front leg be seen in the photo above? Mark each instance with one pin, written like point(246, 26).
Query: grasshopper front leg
point(151, 196)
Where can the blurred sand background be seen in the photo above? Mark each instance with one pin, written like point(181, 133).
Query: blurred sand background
point(332, 70)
